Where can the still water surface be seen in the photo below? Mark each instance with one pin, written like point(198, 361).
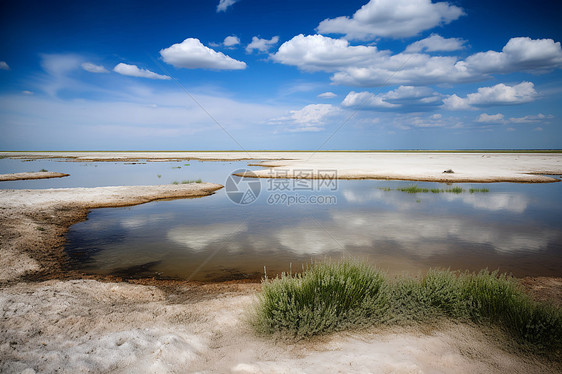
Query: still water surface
point(516, 228)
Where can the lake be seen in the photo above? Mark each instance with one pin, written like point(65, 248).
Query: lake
point(283, 224)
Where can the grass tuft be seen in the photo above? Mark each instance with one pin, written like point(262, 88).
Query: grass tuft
point(412, 189)
point(475, 190)
point(339, 295)
point(415, 189)
point(43, 170)
point(188, 181)
point(454, 190)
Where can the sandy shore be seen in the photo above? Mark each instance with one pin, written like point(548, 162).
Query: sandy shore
point(417, 166)
point(33, 222)
point(89, 326)
point(31, 175)
point(53, 321)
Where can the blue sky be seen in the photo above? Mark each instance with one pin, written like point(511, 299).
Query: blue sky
point(254, 74)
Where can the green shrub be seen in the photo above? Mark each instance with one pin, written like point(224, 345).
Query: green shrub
point(326, 297)
point(339, 295)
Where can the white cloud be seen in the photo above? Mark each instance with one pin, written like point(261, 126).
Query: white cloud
point(531, 118)
point(59, 64)
point(491, 118)
point(500, 94)
point(262, 45)
point(4, 65)
point(538, 129)
point(391, 18)
point(499, 118)
point(365, 100)
point(134, 71)
point(192, 54)
point(369, 67)
point(26, 92)
point(404, 98)
point(327, 95)
point(224, 4)
point(317, 52)
point(519, 54)
point(92, 68)
point(435, 43)
point(231, 41)
point(310, 118)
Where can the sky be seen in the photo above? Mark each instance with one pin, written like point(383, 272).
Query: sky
point(280, 75)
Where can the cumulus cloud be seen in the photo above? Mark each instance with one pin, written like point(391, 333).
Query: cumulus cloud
point(192, 54)
point(4, 65)
point(262, 45)
point(435, 43)
point(310, 118)
point(134, 71)
point(491, 118)
point(404, 98)
point(224, 4)
point(391, 18)
point(318, 52)
point(92, 68)
point(500, 94)
point(327, 95)
point(366, 66)
point(519, 54)
point(231, 41)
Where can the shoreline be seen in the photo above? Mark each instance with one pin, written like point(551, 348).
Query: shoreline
point(468, 167)
point(55, 319)
point(33, 222)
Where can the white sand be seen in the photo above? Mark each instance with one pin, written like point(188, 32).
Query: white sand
point(88, 326)
point(31, 175)
point(422, 166)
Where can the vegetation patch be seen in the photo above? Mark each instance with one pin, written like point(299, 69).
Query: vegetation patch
point(415, 189)
point(476, 190)
point(334, 296)
point(188, 181)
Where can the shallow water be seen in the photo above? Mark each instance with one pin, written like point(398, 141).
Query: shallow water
point(515, 228)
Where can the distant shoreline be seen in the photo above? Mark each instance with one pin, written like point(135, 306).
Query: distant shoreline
point(466, 167)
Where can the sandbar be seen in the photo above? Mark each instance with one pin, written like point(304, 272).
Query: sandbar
point(484, 167)
point(31, 175)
